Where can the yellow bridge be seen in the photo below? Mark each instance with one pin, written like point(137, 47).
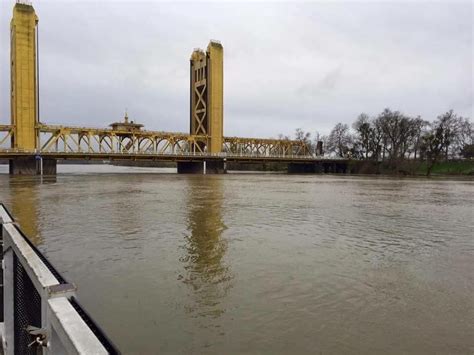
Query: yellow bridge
point(26, 142)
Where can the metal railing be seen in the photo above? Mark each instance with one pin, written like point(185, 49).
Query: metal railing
point(41, 314)
point(229, 155)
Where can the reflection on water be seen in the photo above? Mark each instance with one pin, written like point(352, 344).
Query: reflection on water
point(205, 270)
point(25, 205)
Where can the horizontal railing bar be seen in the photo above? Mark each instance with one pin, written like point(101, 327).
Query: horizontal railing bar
point(38, 272)
point(5, 216)
point(75, 335)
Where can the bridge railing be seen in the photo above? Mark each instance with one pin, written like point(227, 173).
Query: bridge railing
point(40, 309)
point(175, 154)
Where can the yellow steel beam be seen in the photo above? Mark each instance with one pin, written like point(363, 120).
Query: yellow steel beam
point(109, 140)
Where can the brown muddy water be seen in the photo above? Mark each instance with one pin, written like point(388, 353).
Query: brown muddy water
point(259, 263)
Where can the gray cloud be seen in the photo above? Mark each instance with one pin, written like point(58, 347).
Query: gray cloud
point(287, 65)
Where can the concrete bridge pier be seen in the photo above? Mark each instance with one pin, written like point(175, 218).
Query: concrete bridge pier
point(341, 168)
point(190, 167)
point(301, 168)
point(201, 167)
point(32, 166)
point(319, 167)
point(215, 166)
point(334, 167)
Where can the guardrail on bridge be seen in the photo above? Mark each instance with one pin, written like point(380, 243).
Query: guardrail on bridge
point(41, 314)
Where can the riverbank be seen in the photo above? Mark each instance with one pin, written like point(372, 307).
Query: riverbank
point(414, 168)
point(463, 167)
point(407, 168)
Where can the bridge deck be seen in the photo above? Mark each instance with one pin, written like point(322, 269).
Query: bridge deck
point(5, 154)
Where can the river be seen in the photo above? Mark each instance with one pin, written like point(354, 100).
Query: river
point(259, 263)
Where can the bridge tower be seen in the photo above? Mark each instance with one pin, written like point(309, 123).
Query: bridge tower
point(206, 108)
point(24, 86)
point(207, 95)
point(24, 91)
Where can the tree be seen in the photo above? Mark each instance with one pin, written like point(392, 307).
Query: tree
point(468, 151)
point(377, 140)
point(395, 128)
point(454, 130)
point(301, 135)
point(363, 130)
point(416, 131)
point(448, 133)
point(433, 145)
point(464, 140)
point(394, 136)
point(304, 137)
point(340, 140)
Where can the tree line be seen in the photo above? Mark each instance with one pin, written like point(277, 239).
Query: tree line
point(394, 137)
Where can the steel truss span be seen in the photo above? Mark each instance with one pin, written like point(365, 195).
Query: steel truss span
point(265, 147)
point(84, 141)
point(59, 139)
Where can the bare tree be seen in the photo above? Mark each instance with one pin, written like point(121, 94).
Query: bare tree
point(396, 137)
point(304, 137)
point(340, 140)
point(377, 141)
point(433, 145)
point(448, 124)
point(363, 129)
point(463, 138)
point(416, 131)
point(301, 135)
point(457, 132)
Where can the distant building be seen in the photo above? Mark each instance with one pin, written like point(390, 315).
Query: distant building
point(126, 125)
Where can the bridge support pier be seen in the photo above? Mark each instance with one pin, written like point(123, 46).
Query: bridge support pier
point(302, 168)
point(335, 168)
point(197, 167)
point(320, 167)
point(215, 167)
point(32, 166)
point(190, 167)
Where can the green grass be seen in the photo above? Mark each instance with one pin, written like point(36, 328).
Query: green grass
point(460, 167)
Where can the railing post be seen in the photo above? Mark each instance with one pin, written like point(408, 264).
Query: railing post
point(8, 287)
point(7, 284)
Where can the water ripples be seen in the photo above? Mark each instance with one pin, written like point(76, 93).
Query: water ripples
point(261, 263)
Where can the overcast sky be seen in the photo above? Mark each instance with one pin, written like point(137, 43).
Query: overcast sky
point(286, 65)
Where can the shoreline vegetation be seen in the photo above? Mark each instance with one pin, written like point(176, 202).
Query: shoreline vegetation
point(417, 168)
point(359, 167)
point(398, 144)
